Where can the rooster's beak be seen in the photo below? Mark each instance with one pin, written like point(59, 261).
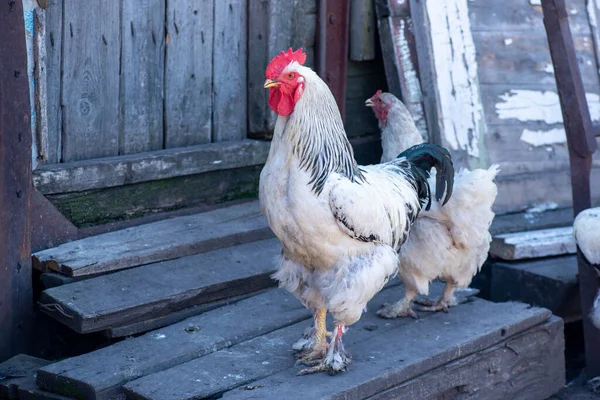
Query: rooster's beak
point(369, 103)
point(269, 83)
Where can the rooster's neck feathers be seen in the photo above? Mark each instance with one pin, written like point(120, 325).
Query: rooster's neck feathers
point(317, 134)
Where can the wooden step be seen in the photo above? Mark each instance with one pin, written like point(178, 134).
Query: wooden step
point(155, 290)
point(102, 373)
point(533, 244)
point(550, 283)
point(16, 372)
point(157, 241)
point(477, 346)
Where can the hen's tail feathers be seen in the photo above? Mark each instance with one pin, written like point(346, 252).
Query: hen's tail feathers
point(422, 158)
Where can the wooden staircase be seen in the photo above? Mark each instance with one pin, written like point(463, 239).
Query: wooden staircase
point(203, 320)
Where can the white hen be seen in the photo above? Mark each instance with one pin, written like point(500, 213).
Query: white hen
point(450, 242)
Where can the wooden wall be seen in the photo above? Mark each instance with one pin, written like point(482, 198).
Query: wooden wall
point(131, 76)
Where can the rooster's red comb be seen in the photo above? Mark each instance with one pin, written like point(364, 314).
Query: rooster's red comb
point(377, 93)
point(279, 62)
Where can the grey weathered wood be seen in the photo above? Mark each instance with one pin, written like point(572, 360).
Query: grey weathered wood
point(533, 244)
point(135, 168)
point(40, 81)
point(54, 279)
point(362, 30)
point(100, 374)
point(384, 359)
point(256, 358)
point(229, 71)
point(28, 390)
point(171, 318)
point(90, 79)
point(15, 371)
point(528, 366)
point(550, 283)
point(53, 30)
point(158, 241)
point(155, 290)
point(142, 75)
point(188, 75)
point(528, 221)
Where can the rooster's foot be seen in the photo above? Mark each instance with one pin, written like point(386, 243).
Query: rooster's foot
point(305, 345)
point(431, 306)
point(332, 364)
point(312, 357)
point(390, 311)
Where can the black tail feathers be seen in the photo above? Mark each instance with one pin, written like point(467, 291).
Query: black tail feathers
point(422, 158)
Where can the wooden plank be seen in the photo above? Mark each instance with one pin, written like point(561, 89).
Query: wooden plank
point(362, 30)
point(204, 191)
point(40, 84)
point(425, 346)
point(136, 168)
point(49, 227)
point(158, 241)
point(100, 374)
point(188, 75)
point(229, 71)
point(90, 80)
point(550, 283)
point(142, 75)
point(533, 244)
point(53, 41)
point(15, 184)
point(155, 290)
point(54, 279)
point(254, 359)
point(146, 325)
point(528, 366)
point(547, 217)
point(14, 372)
point(29, 391)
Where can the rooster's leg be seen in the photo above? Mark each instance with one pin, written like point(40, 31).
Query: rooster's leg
point(446, 300)
point(403, 308)
point(336, 360)
point(315, 346)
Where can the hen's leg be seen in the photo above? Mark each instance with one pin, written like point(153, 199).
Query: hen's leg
point(315, 346)
point(445, 301)
point(402, 308)
point(336, 360)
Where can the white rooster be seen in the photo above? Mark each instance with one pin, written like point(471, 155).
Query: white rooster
point(339, 224)
point(450, 242)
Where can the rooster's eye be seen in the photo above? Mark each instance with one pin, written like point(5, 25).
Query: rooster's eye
point(291, 75)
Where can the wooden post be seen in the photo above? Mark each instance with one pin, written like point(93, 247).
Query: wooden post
point(582, 144)
point(15, 184)
point(332, 47)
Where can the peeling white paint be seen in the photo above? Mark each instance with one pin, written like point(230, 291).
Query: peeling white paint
point(541, 106)
point(535, 2)
point(28, 15)
point(508, 41)
point(542, 207)
point(158, 336)
point(548, 68)
point(544, 138)
point(455, 66)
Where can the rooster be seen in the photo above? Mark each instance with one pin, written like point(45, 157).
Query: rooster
point(450, 242)
point(339, 224)
point(588, 240)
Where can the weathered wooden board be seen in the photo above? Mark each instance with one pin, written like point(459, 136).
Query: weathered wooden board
point(90, 79)
point(257, 358)
point(125, 170)
point(100, 374)
point(229, 71)
point(362, 30)
point(29, 391)
point(171, 318)
point(158, 241)
point(533, 244)
point(130, 202)
point(142, 75)
point(528, 366)
point(550, 283)
point(189, 72)
point(15, 371)
point(53, 41)
point(382, 361)
point(157, 289)
point(546, 217)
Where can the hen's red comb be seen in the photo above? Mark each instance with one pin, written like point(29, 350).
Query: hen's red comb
point(378, 92)
point(278, 63)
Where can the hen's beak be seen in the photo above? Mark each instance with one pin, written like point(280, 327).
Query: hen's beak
point(269, 83)
point(369, 103)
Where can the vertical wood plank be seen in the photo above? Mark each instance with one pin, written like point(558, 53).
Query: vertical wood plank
point(142, 75)
point(188, 76)
point(229, 71)
point(362, 30)
point(90, 81)
point(259, 116)
point(40, 86)
point(53, 41)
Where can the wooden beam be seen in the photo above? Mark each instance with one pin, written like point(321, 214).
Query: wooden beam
point(49, 227)
point(332, 43)
point(15, 183)
point(582, 144)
